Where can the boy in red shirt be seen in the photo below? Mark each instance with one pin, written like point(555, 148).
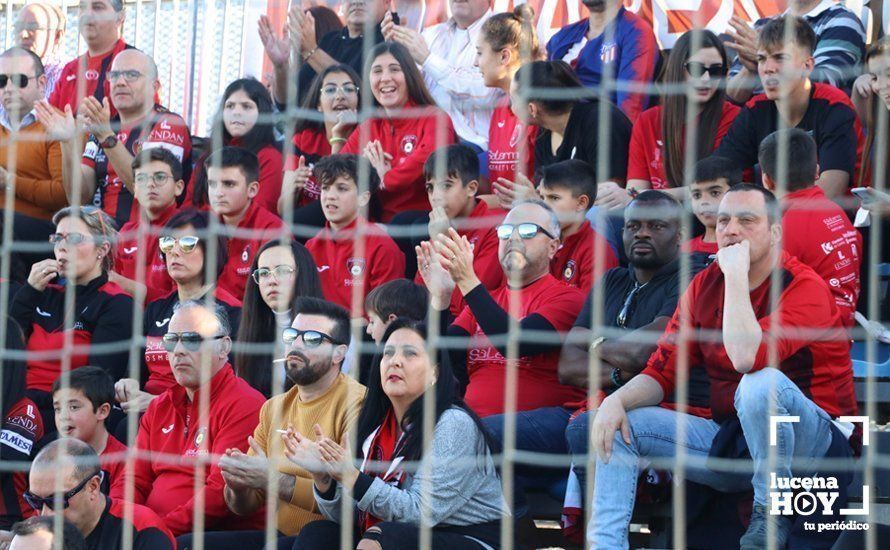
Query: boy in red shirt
point(452, 194)
point(713, 177)
point(569, 188)
point(81, 410)
point(349, 267)
point(157, 176)
point(232, 184)
point(814, 229)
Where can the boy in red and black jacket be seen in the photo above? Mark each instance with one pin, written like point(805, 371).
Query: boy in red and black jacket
point(232, 184)
point(350, 253)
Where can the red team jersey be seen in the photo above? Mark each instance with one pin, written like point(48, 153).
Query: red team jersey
point(157, 281)
point(646, 158)
point(95, 77)
point(506, 133)
point(698, 245)
point(341, 269)
point(113, 464)
point(161, 129)
point(575, 260)
point(538, 385)
point(271, 173)
point(258, 227)
point(20, 440)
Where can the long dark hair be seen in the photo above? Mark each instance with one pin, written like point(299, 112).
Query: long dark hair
point(881, 48)
point(310, 102)
point(418, 93)
point(258, 324)
point(261, 135)
point(673, 106)
point(377, 403)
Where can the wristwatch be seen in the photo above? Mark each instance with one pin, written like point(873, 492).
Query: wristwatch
point(109, 142)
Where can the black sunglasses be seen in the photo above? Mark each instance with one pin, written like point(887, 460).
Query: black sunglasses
point(311, 338)
point(697, 69)
point(526, 230)
point(191, 341)
point(38, 503)
point(18, 80)
point(621, 321)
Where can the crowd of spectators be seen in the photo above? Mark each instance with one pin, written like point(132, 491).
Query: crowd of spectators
point(410, 251)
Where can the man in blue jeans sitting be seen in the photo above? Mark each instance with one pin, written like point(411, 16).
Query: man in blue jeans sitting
point(788, 360)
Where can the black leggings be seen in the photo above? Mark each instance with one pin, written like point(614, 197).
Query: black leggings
point(325, 535)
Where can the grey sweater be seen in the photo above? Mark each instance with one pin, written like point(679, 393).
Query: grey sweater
point(454, 484)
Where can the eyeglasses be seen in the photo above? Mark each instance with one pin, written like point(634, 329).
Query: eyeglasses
point(191, 341)
point(312, 338)
point(129, 76)
point(697, 69)
point(38, 503)
point(187, 244)
point(159, 178)
point(526, 231)
point(71, 238)
point(279, 271)
point(18, 80)
point(628, 303)
point(347, 89)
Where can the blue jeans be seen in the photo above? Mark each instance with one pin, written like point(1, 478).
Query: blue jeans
point(542, 431)
point(654, 435)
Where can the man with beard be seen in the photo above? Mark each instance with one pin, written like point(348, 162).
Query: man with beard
point(321, 400)
point(611, 41)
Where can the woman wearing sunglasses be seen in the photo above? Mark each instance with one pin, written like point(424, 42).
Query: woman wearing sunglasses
point(101, 320)
point(659, 163)
point(455, 488)
point(280, 275)
point(184, 244)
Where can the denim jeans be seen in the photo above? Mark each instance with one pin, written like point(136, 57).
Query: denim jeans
point(654, 435)
point(541, 431)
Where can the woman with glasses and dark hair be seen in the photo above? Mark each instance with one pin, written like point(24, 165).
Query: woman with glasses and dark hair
point(455, 488)
point(185, 245)
point(336, 95)
point(697, 61)
point(98, 329)
point(281, 274)
point(244, 120)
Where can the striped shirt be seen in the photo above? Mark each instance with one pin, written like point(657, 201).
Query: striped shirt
point(840, 45)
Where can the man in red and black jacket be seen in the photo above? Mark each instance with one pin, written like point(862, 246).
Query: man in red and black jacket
point(175, 425)
point(790, 358)
point(815, 230)
point(819, 109)
point(100, 519)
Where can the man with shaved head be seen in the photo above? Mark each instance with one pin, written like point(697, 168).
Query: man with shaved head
point(40, 27)
point(106, 167)
point(543, 307)
point(66, 477)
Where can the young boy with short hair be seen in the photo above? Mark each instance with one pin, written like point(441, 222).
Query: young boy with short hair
point(391, 300)
point(232, 184)
point(712, 179)
point(452, 180)
point(341, 267)
point(81, 410)
point(157, 177)
point(569, 188)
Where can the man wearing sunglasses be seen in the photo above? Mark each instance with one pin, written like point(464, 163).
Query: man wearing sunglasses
point(176, 424)
point(73, 466)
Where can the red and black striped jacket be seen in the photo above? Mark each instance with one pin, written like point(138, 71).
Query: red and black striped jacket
point(103, 316)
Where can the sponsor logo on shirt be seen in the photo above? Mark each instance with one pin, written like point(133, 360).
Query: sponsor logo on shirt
point(408, 143)
point(167, 430)
point(323, 268)
point(91, 74)
point(43, 313)
point(608, 52)
point(245, 255)
point(70, 77)
point(16, 441)
point(159, 324)
point(130, 250)
point(827, 248)
point(24, 423)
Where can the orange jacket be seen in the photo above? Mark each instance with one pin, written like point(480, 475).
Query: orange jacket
point(39, 191)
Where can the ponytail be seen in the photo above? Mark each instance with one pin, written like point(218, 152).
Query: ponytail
point(514, 30)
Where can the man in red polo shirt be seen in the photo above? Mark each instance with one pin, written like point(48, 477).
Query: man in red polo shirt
point(569, 188)
point(811, 377)
point(174, 425)
point(815, 229)
point(351, 254)
point(101, 24)
point(452, 195)
point(232, 185)
point(106, 161)
point(158, 180)
point(547, 308)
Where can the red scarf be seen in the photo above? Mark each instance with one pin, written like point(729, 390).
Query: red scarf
point(385, 442)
